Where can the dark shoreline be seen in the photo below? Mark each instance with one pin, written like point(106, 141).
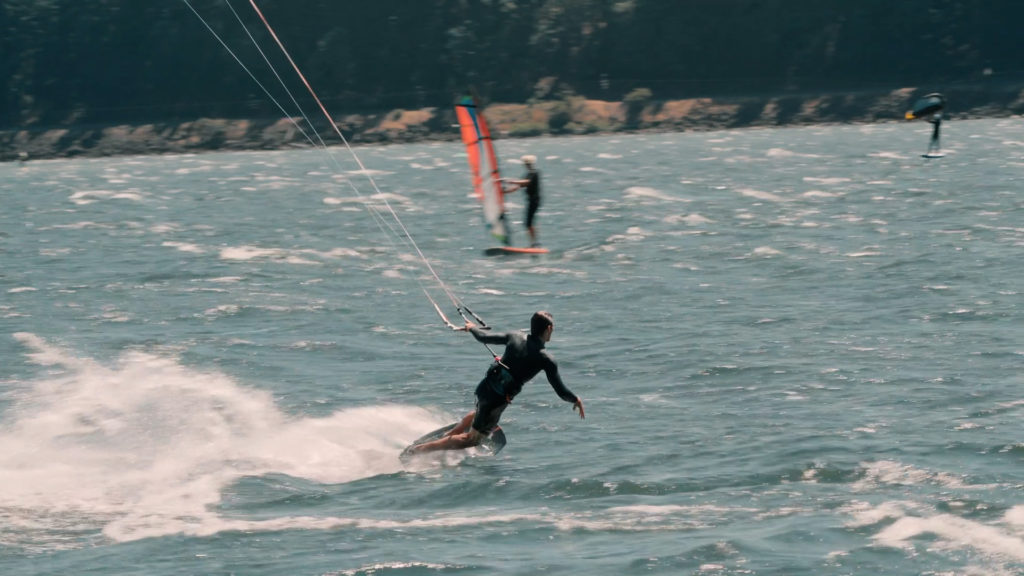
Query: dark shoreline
point(553, 117)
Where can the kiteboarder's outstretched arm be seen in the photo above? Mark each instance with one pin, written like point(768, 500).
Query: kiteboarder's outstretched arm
point(551, 370)
point(484, 336)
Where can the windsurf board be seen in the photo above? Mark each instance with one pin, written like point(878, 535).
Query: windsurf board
point(514, 251)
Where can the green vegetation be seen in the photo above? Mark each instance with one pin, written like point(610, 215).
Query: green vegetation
point(103, 62)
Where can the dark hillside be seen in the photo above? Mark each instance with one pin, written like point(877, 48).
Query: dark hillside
point(68, 64)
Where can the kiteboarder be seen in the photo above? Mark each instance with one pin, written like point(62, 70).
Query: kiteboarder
point(531, 181)
point(524, 358)
point(936, 121)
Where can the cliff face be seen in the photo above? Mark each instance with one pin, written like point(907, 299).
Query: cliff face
point(573, 116)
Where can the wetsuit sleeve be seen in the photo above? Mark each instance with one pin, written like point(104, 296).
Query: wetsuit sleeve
point(489, 337)
point(551, 370)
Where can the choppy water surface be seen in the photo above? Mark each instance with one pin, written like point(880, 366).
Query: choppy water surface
point(800, 352)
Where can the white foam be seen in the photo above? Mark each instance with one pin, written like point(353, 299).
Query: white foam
point(651, 193)
point(1015, 516)
point(906, 521)
point(688, 219)
point(633, 234)
point(144, 448)
point(77, 226)
point(783, 153)
point(370, 172)
point(766, 251)
point(956, 532)
point(760, 195)
point(251, 253)
point(888, 472)
point(246, 253)
point(865, 253)
point(385, 567)
point(83, 197)
point(863, 514)
point(185, 247)
point(383, 197)
point(827, 181)
point(223, 310)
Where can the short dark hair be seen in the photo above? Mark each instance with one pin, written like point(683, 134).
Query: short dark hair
point(540, 322)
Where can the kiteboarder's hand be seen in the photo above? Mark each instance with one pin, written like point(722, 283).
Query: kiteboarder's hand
point(467, 327)
point(578, 405)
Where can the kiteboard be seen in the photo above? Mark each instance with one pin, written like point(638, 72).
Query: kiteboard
point(933, 155)
point(489, 447)
point(514, 251)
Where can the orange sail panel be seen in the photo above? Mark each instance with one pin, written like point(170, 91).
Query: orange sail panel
point(483, 163)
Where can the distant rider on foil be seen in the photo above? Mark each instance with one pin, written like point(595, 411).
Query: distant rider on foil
point(936, 121)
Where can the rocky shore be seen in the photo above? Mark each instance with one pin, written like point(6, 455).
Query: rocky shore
point(572, 115)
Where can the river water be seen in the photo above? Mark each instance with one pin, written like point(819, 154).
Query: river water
point(799, 349)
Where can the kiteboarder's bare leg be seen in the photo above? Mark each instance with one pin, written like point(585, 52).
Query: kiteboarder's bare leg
point(463, 425)
point(533, 236)
point(460, 441)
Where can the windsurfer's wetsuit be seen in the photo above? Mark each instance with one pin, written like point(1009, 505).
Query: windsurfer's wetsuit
point(523, 359)
point(532, 195)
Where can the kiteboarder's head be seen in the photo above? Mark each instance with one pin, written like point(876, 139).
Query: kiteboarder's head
point(541, 325)
point(529, 160)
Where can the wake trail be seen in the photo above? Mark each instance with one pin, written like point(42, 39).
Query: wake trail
point(145, 447)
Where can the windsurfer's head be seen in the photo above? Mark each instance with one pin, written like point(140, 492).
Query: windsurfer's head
point(541, 323)
point(529, 160)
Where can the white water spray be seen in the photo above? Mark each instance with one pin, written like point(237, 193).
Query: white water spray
point(144, 448)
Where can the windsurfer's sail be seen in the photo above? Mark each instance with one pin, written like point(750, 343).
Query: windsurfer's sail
point(484, 164)
point(927, 104)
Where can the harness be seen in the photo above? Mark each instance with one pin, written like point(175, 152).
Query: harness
point(501, 375)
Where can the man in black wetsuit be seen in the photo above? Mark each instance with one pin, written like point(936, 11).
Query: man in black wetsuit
point(523, 359)
point(532, 184)
point(936, 121)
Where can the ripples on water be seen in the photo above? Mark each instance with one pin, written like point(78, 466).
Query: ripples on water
point(800, 351)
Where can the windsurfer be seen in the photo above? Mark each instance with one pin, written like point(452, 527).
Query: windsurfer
point(524, 358)
point(531, 181)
